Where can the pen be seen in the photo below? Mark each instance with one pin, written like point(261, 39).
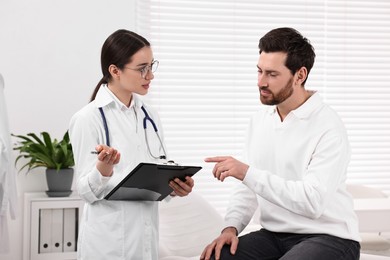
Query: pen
point(95, 152)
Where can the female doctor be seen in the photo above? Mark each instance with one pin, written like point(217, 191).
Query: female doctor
point(111, 126)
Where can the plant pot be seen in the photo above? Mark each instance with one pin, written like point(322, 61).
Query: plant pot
point(59, 182)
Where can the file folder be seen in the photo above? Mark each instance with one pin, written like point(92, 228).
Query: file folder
point(57, 220)
point(70, 229)
point(149, 181)
point(45, 230)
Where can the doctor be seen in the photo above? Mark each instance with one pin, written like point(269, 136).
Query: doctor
point(111, 125)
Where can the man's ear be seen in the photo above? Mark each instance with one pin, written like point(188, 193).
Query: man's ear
point(301, 75)
point(114, 71)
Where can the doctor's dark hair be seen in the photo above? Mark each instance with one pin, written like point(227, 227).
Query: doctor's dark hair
point(300, 53)
point(118, 50)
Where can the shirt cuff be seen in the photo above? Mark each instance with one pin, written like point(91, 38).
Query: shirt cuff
point(237, 224)
point(251, 178)
point(97, 182)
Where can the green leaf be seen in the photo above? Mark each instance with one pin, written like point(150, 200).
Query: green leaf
point(43, 152)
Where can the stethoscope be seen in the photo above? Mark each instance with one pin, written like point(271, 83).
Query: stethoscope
point(145, 122)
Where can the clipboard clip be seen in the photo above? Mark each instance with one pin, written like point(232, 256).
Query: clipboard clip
point(170, 162)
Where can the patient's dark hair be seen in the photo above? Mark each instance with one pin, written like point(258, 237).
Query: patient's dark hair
point(118, 49)
point(300, 53)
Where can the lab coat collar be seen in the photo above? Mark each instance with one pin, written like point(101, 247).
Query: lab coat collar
point(105, 97)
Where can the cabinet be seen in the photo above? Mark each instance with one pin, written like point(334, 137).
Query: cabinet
point(50, 226)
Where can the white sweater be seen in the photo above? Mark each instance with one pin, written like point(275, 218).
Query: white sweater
point(297, 173)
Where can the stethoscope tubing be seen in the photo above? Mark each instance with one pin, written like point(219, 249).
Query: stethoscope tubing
point(146, 119)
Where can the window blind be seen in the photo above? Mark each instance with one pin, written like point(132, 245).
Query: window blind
point(206, 86)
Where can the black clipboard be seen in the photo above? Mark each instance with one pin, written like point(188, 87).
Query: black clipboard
point(150, 181)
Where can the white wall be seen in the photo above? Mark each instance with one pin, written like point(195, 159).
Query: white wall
point(50, 61)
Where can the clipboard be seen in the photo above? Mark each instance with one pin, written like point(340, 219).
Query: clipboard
point(150, 181)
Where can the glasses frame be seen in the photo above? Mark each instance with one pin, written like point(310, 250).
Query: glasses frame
point(145, 70)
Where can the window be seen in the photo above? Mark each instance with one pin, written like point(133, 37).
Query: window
point(206, 85)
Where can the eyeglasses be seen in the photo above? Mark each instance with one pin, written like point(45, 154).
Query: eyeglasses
point(144, 70)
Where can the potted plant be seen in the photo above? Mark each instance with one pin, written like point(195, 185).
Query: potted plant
point(56, 156)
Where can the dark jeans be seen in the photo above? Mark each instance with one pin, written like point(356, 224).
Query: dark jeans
point(266, 245)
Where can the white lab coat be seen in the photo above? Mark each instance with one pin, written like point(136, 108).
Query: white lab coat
point(115, 230)
point(8, 194)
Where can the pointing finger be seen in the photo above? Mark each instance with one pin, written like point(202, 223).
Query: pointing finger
point(215, 159)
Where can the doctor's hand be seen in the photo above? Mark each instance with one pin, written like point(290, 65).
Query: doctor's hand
point(228, 166)
point(107, 158)
point(228, 237)
point(181, 188)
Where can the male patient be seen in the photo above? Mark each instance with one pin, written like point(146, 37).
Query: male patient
point(297, 153)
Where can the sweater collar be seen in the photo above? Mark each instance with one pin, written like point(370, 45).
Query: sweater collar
point(304, 110)
point(307, 108)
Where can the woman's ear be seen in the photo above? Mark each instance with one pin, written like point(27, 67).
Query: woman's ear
point(301, 75)
point(114, 71)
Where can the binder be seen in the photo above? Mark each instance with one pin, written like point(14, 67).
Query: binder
point(45, 230)
point(69, 230)
point(150, 181)
point(57, 220)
